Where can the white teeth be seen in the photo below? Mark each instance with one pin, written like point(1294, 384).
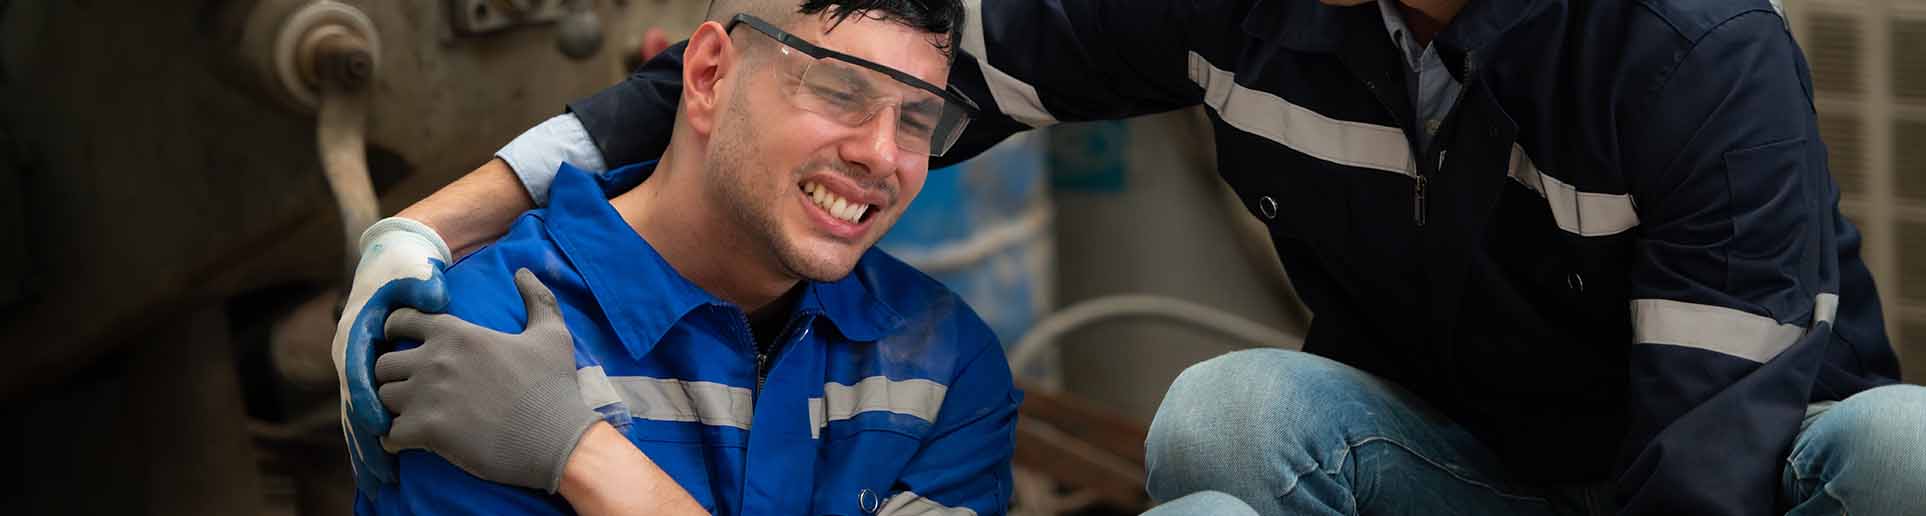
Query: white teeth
point(834, 204)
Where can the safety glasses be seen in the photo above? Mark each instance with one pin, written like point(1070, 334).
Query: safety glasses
point(851, 90)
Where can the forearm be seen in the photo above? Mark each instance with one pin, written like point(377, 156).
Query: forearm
point(475, 209)
point(608, 475)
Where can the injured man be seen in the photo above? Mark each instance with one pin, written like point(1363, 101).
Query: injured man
point(720, 337)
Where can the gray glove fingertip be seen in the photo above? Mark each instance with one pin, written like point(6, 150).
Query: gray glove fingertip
point(407, 323)
point(406, 434)
point(543, 310)
point(396, 397)
point(398, 365)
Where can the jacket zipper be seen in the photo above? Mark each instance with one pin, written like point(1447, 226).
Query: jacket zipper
point(762, 356)
point(765, 354)
point(1419, 207)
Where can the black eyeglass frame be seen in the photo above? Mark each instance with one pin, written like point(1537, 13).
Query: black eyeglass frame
point(810, 49)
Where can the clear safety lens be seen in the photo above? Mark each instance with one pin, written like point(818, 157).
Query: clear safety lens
point(926, 123)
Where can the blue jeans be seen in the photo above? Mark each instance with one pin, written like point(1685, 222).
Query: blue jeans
point(1285, 432)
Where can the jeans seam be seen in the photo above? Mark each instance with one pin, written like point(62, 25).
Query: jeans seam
point(1826, 488)
point(1297, 478)
point(1441, 467)
point(1798, 473)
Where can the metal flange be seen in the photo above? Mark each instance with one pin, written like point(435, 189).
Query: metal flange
point(312, 26)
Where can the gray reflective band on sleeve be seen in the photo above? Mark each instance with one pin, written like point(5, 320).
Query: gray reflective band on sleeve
point(669, 399)
point(1577, 212)
point(915, 397)
point(1824, 308)
point(597, 392)
point(911, 504)
point(1014, 98)
point(1265, 114)
point(1302, 129)
point(1719, 329)
point(1383, 148)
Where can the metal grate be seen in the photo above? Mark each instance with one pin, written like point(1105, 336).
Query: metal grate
point(1912, 269)
point(1868, 60)
point(1844, 151)
point(1908, 61)
point(1912, 365)
point(1909, 162)
point(1832, 49)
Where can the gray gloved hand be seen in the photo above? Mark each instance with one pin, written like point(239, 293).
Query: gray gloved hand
point(504, 408)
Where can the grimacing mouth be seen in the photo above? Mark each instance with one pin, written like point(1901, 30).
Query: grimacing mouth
point(836, 205)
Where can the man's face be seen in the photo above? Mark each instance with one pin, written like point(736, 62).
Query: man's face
point(814, 191)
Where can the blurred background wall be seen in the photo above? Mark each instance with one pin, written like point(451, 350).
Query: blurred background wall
point(170, 252)
point(1868, 61)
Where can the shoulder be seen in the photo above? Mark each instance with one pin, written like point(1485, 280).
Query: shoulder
point(1676, 51)
point(1693, 20)
point(931, 314)
point(481, 286)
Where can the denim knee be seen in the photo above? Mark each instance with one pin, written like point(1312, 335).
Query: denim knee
point(1204, 503)
point(1237, 423)
point(1869, 451)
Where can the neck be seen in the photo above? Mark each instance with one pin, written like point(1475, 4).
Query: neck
point(673, 212)
point(1426, 18)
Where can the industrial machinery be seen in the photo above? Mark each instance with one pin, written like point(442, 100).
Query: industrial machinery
point(180, 185)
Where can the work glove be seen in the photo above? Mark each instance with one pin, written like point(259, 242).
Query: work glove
point(505, 408)
point(401, 265)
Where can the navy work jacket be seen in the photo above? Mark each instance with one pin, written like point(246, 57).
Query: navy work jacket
point(1620, 259)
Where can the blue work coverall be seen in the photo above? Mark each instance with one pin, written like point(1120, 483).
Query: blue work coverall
point(885, 395)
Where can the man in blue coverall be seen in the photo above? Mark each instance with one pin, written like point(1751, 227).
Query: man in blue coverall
point(1565, 256)
point(737, 345)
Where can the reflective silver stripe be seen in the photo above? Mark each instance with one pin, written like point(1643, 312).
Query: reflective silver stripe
point(1580, 213)
point(915, 397)
point(1384, 148)
point(1264, 114)
point(911, 504)
point(1724, 330)
point(1013, 97)
point(669, 399)
point(1824, 308)
point(596, 390)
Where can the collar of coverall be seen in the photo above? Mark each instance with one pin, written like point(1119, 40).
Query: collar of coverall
point(643, 296)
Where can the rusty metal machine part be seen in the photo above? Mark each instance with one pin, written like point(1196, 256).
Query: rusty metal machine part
point(326, 56)
point(471, 17)
point(325, 30)
point(578, 35)
point(165, 168)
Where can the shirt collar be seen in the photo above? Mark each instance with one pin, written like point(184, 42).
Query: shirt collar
point(643, 296)
point(851, 304)
point(1400, 33)
point(1315, 27)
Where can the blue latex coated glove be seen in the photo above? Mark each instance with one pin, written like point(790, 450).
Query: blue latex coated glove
point(401, 266)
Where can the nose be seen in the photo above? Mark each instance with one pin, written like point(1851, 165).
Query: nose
point(873, 144)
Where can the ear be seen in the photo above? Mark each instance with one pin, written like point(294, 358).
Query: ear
point(709, 59)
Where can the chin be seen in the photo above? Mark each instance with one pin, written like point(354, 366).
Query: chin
point(824, 267)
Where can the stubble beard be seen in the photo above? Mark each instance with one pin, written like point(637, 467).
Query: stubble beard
point(736, 175)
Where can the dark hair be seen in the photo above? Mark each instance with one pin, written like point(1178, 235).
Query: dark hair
point(938, 17)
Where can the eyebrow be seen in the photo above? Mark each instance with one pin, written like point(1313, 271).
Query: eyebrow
point(927, 106)
point(855, 81)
